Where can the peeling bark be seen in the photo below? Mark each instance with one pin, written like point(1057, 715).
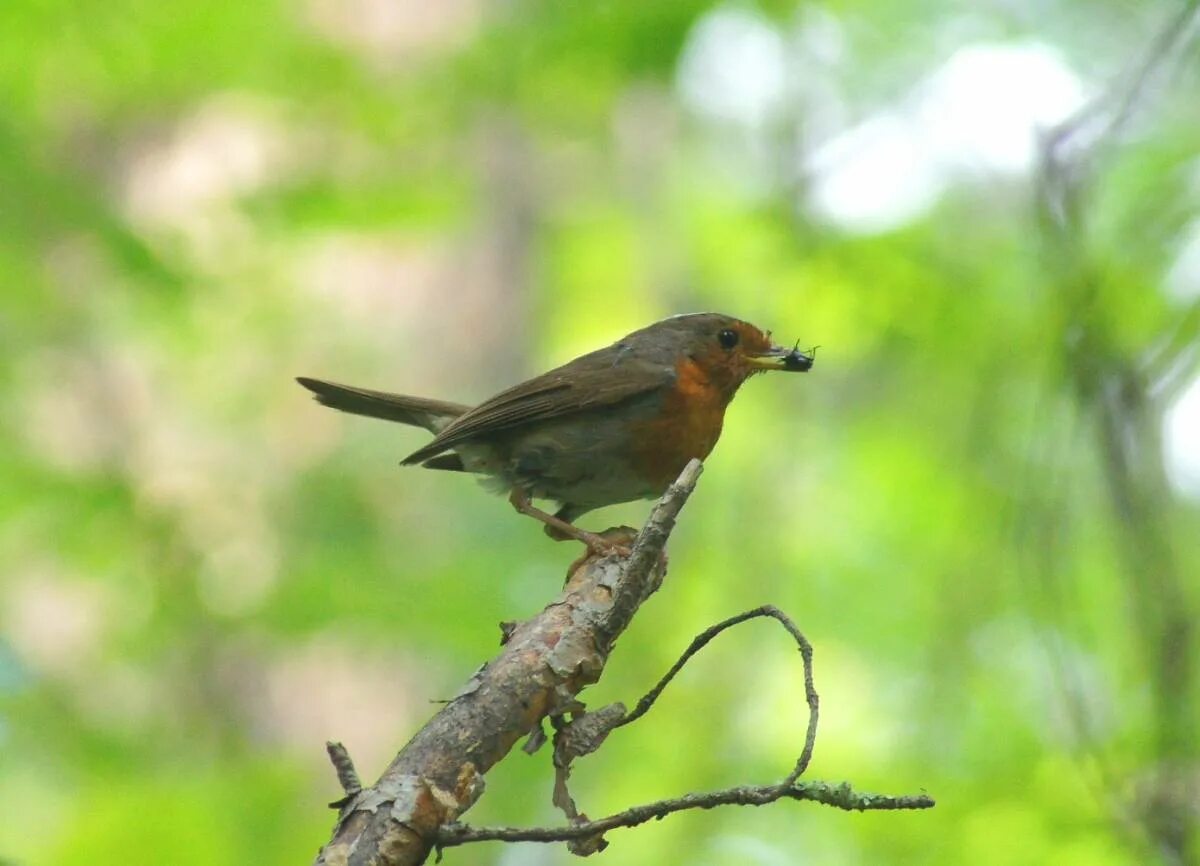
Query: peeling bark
point(546, 661)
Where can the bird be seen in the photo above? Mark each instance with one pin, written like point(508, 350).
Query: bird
point(614, 425)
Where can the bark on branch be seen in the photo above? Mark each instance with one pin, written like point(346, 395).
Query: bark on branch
point(546, 661)
point(839, 796)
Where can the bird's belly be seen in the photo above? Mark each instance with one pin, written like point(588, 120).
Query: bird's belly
point(595, 489)
point(587, 461)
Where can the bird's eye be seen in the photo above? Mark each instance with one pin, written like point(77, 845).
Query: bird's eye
point(728, 338)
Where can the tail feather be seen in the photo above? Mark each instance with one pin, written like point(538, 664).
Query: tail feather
point(450, 462)
point(433, 415)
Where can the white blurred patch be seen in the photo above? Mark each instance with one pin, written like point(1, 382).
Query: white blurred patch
point(393, 31)
point(55, 622)
point(66, 414)
point(733, 67)
point(875, 176)
point(186, 182)
point(375, 279)
point(1182, 282)
point(983, 109)
point(818, 52)
point(1181, 441)
point(980, 112)
point(330, 687)
point(217, 489)
point(229, 146)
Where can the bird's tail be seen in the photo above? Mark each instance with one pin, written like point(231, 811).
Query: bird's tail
point(433, 415)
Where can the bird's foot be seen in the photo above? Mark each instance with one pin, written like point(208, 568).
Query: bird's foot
point(618, 540)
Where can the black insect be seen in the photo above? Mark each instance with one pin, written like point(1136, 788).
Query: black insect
point(797, 360)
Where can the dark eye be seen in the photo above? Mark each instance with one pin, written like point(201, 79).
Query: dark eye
point(728, 338)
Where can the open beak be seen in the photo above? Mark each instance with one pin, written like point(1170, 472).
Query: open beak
point(778, 358)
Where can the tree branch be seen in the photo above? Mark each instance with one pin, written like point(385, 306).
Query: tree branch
point(586, 731)
point(545, 663)
point(606, 720)
point(840, 796)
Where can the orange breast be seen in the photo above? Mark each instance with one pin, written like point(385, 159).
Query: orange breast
point(688, 426)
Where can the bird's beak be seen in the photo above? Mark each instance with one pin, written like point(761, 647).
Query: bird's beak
point(778, 358)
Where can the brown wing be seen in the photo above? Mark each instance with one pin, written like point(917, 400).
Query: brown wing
point(602, 378)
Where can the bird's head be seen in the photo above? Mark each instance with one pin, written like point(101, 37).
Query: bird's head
point(727, 351)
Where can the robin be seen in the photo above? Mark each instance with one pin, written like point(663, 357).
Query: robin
point(611, 426)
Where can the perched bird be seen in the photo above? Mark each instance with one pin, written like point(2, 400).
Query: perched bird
point(616, 424)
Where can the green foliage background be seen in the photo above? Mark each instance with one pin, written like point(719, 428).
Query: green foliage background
point(203, 575)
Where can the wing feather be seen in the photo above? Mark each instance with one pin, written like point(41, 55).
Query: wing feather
point(603, 378)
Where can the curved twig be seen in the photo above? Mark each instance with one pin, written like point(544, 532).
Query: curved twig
point(701, 640)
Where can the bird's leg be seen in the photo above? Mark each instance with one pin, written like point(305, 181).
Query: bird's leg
point(561, 530)
point(566, 516)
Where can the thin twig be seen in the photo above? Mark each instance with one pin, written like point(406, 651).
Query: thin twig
point(585, 734)
point(346, 774)
point(702, 639)
point(840, 796)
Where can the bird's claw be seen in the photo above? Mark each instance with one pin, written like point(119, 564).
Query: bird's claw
point(616, 541)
